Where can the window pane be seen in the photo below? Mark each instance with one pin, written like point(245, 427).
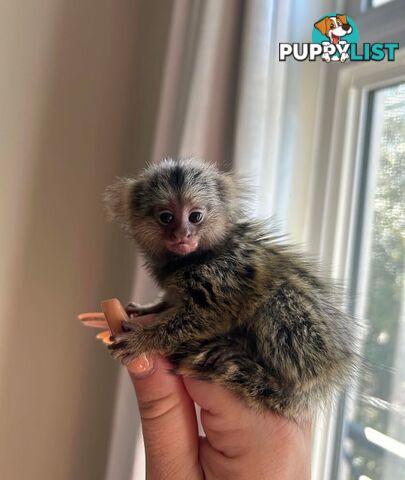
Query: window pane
point(377, 3)
point(374, 445)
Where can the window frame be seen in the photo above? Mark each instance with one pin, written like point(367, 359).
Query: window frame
point(366, 13)
point(346, 93)
point(359, 258)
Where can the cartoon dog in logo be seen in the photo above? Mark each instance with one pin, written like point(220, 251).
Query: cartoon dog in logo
point(334, 28)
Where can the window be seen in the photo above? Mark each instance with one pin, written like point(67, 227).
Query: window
point(378, 3)
point(373, 445)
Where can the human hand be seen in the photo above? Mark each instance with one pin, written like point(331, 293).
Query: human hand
point(240, 443)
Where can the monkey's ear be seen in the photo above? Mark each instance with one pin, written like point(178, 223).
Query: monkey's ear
point(117, 200)
point(235, 193)
point(227, 187)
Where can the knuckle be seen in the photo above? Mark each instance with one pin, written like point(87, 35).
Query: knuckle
point(155, 408)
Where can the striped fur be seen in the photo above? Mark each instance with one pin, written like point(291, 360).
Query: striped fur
point(243, 310)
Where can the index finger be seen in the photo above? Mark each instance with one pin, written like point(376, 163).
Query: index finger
point(167, 413)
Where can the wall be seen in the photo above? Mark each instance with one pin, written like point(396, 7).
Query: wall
point(79, 88)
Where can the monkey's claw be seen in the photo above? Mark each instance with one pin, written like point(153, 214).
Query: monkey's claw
point(130, 326)
point(127, 345)
point(133, 309)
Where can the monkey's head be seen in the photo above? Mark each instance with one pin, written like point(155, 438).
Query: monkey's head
point(175, 207)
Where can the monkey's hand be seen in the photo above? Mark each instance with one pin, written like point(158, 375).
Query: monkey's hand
point(135, 309)
point(134, 340)
point(170, 328)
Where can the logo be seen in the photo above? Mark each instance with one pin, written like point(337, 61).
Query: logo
point(335, 38)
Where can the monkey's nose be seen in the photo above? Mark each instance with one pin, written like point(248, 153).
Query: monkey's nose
point(180, 235)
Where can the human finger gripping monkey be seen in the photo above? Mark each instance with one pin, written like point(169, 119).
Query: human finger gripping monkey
point(238, 307)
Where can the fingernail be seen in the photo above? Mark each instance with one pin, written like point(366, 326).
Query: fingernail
point(114, 313)
point(105, 335)
point(141, 366)
point(124, 326)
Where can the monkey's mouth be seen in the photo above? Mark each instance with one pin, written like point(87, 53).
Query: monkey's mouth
point(182, 247)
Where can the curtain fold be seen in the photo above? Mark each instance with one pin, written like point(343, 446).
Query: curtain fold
point(200, 82)
point(261, 99)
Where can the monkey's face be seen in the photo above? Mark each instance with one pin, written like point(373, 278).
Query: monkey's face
point(175, 207)
point(178, 212)
point(181, 224)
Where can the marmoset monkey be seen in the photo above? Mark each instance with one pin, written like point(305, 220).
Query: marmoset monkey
point(238, 308)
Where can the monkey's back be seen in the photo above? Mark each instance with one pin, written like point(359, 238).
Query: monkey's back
point(273, 331)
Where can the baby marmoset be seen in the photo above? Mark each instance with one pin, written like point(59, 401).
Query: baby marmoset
point(238, 307)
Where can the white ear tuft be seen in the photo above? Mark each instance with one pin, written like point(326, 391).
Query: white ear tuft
point(117, 200)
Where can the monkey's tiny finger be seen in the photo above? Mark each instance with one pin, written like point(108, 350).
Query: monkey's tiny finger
point(129, 326)
point(124, 327)
point(114, 345)
point(120, 339)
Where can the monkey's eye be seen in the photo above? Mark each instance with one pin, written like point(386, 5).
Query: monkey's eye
point(166, 217)
point(195, 217)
